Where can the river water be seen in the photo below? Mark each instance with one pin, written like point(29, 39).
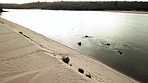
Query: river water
point(118, 39)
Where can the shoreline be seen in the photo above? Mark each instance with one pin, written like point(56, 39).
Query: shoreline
point(37, 57)
point(114, 11)
point(133, 12)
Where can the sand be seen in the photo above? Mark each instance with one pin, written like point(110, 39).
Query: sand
point(132, 12)
point(29, 57)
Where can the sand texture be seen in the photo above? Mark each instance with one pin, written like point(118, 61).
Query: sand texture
point(29, 57)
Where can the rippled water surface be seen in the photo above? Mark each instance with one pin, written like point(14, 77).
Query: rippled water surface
point(118, 39)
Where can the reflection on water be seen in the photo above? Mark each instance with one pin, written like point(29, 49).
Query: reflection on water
point(118, 39)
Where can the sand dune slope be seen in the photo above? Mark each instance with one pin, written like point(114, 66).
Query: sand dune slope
point(29, 57)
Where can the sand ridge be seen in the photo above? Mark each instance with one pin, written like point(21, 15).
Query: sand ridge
point(29, 57)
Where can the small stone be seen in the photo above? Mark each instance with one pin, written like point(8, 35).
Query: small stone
point(81, 70)
point(119, 52)
point(21, 33)
point(108, 44)
point(66, 59)
point(79, 43)
point(70, 64)
point(88, 75)
point(86, 36)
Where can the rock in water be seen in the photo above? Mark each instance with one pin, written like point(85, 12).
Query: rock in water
point(86, 36)
point(108, 44)
point(79, 43)
point(119, 52)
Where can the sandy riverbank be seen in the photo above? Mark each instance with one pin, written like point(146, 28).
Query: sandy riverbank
point(133, 12)
point(29, 57)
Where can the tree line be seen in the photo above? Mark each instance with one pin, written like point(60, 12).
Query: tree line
point(1, 10)
point(81, 5)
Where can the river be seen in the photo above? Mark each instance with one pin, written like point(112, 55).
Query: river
point(118, 39)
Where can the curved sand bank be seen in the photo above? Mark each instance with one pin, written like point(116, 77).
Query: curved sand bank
point(29, 57)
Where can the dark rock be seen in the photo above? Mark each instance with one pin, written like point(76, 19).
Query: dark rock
point(88, 75)
point(108, 44)
point(70, 64)
point(26, 36)
point(86, 36)
point(79, 43)
point(21, 33)
point(119, 52)
point(81, 70)
point(66, 59)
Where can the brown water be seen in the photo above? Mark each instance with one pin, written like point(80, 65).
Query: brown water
point(126, 33)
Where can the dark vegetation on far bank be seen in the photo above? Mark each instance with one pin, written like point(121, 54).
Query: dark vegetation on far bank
point(1, 10)
point(81, 5)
